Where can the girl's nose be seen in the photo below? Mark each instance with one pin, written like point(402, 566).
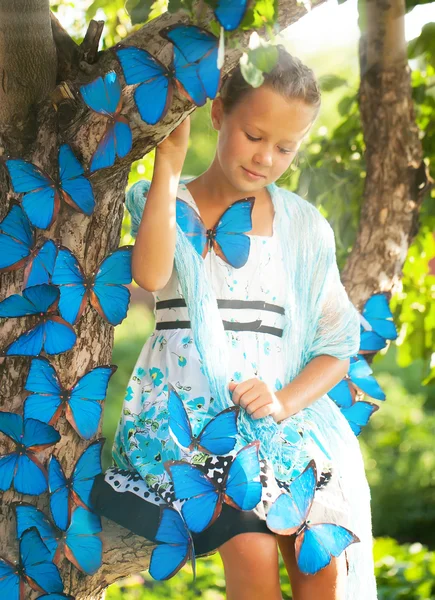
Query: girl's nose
point(264, 159)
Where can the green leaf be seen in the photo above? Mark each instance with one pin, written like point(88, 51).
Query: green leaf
point(424, 43)
point(331, 82)
point(250, 72)
point(138, 10)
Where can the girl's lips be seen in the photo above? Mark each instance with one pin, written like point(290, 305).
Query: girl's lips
point(253, 175)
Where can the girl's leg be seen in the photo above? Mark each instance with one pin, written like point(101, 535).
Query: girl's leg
point(251, 567)
point(327, 584)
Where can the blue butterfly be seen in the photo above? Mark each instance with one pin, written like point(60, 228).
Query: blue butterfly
point(315, 544)
point(204, 497)
point(217, 437)
point(358, 414)
point(80, 541)
point(41, 201)
point(21, 467)
point(17, 248)
point(105, 288)
point(227, 237)
point(77, 488)
point(175, 546)
point(359, 377)
point(34, 568)
point(51, 334)
point(82, 402)
point(376, 324)
point(230, 13)
point(103, 96)
point(157, 83)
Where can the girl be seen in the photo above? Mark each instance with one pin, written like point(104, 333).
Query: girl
point(263, 324)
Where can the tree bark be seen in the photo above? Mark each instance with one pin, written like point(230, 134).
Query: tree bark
point(36, 116)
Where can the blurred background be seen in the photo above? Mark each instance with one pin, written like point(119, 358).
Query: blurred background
point(398, 444)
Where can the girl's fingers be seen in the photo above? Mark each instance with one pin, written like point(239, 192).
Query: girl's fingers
point(250, 397)
point(262, 412)
point(241, 388)
point(256, 404)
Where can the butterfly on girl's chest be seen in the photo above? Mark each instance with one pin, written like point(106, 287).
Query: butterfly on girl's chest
point(227, 237)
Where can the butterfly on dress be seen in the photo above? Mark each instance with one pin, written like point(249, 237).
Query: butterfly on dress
point(105, 288)
point(18, 249)
point(204, 498)
point(51, 334)
point(80, 541)
point(42, 194)
point(377, 324)
point(33, 568)
point(230, 13)
point(358, 414)
point(359, 377)
point(21, 468)
point(217, 437)
point(82, 402)
point(104, 97)
point(193, 71)
point(76, 488)
point(227, 237)
point(175, 546)
point(315, 544)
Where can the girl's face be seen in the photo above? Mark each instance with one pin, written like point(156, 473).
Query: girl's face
point(260, 136)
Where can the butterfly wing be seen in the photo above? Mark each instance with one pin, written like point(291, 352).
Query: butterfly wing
point(359, 414)
point(69, 276)
point(230, 13)
point(36, 560)
point(27, 344)
point(59, 336)
point(28, 516)
point(34, 300)
point(377, 312)
point(8, 464)
point(76, 188)
point(16, 239)
point(11, 425)
point(87, 468)
point(343, 393)
point(41, 265)
point(175, 548)
point(84, 408)
point(179, 424)
point(9, 581)
point(219, 435)
point(123, 137)
point(361, 375)
point(230, 230)
point(317, 543)
point(58, 493)
point(38, 436)
point(82, 545)
point(371, 342)
point(45, 400)
point(191, 224)
point(242, 491)
point(30, 476)
point(188, 80)
point(103, 95)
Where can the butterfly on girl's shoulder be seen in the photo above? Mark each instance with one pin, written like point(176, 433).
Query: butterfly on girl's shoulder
point(80, 541)
point(33, 568)
point(18, 249)
point(196, 76)
point(204, 497)
point(230, 13)
point(227, 237)
point(42, 194)
point(359, 377)
point(358, 414)
point(76, 488)
point(82, 402)
point(21, 467)
point(315, 544)
point(51, 334)
point(175, 546)
point(104, 97)
point(105, 288)
point(377, 324)
point(217, 437)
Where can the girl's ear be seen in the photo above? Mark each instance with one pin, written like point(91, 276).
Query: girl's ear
point(217, 113)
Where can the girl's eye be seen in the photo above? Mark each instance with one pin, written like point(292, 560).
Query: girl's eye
point(284, 151)
point(252, 139)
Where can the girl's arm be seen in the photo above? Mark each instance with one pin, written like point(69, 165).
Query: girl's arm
point(317, 378)
point(153, 252)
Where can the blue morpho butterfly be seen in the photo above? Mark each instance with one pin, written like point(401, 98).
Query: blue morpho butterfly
point(315, 544)
point(227, 237)
point(82, 402)
point(77, 488)
point(41, 200)
point(230, 13)
point(376, 324)
point(51, 334)
point(217, 437)
point(34, 568)
point(359, 377)
point(197, 79)
point(105, 288)
point(103, 96)
point(21, 467)
point(358, 414)
point(175, 546)
point(80, 542)
point(17, 248)
point(204, 497)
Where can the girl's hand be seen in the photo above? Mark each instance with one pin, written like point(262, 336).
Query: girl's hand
point(256, 398)
point(177, 141)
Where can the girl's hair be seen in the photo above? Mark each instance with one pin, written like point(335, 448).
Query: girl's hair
point(289, 77)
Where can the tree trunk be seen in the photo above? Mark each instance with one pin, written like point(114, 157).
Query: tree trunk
point(35, 118)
